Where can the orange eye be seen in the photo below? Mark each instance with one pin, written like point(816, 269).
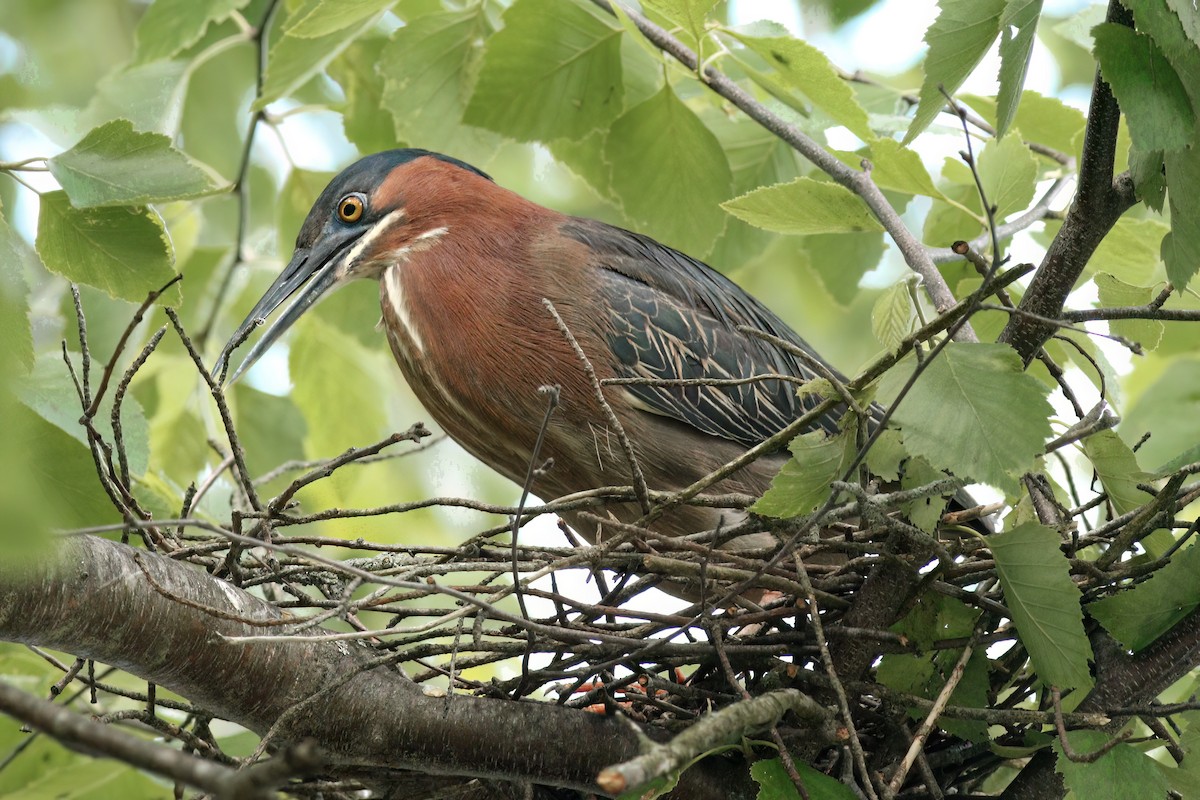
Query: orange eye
point(350, 208)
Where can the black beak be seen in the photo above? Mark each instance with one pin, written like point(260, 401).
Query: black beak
point(312, 272)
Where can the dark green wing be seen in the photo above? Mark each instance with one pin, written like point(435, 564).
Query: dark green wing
point(673, 317)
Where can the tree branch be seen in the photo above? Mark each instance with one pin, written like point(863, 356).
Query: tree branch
point(94, 601)
point(1099, 203)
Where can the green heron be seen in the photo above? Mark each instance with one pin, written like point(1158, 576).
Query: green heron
point(464, 267)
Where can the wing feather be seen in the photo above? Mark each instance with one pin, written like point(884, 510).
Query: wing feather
point(676, 318)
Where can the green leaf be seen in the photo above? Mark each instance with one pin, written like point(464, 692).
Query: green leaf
point(1130, 252)
point(670, 172)
point(840, 260)
point(1181, 247)
point(293, 61)
point(1115, 292)
point(1046, 120)
point(1152, 96)
point(1189, 17)
point(925, 675)
point(687, 14)
point(323, 361)
point(122, 251)
point(892, 315)
point(16, 335)
point(896, 167)
point(757, 158)
point(958, 40)
point(148, 95)
point(1018, 26)
point(55, 475)
point(1118, 470)
point(355, 71)
point(86, 778)
point(1169, 409)
point(967, 394)
point(806, 69)
point(803, 206)
point(775, 784)
point(803, 483)
point(925, 513)
point(1121, 773)
point(1140, 614)
point(1148, 171)
point(553, 71)
point(114, 165)
point(886, 455)
point(429, 67)
point(331, 16)
point(49, 392)
point(1008, 171)
point(1167, 28)
point(271, 428)
point(1036, 577)
point(169, 26)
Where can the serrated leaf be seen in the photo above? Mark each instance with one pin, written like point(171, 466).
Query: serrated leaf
point(1121, 773)
point(1167, 28)
point(1036, 578)
point(1140, 614)
point(1189, 17)
point(114, 165)
point(807, 70)
point(954, 410)
point(886, 455)
point(1181, 247)
point(122, 251)
point(775, 784)
point(169, 26)
point(553, 71)
point(1008, 171)
point(958, 40)
point(1152, 96)
point(892, 315)
point(293, 61)
point(1018, 26)
point(429, 67)
point(803, 206)
point(1114, 292)
point(331, 16)
point(803, 483)
point(654, 149)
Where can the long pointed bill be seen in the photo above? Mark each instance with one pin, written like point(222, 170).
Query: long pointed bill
point(312, 273)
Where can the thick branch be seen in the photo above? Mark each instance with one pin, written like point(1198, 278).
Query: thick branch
point(95, 601)
point(1099, 203)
